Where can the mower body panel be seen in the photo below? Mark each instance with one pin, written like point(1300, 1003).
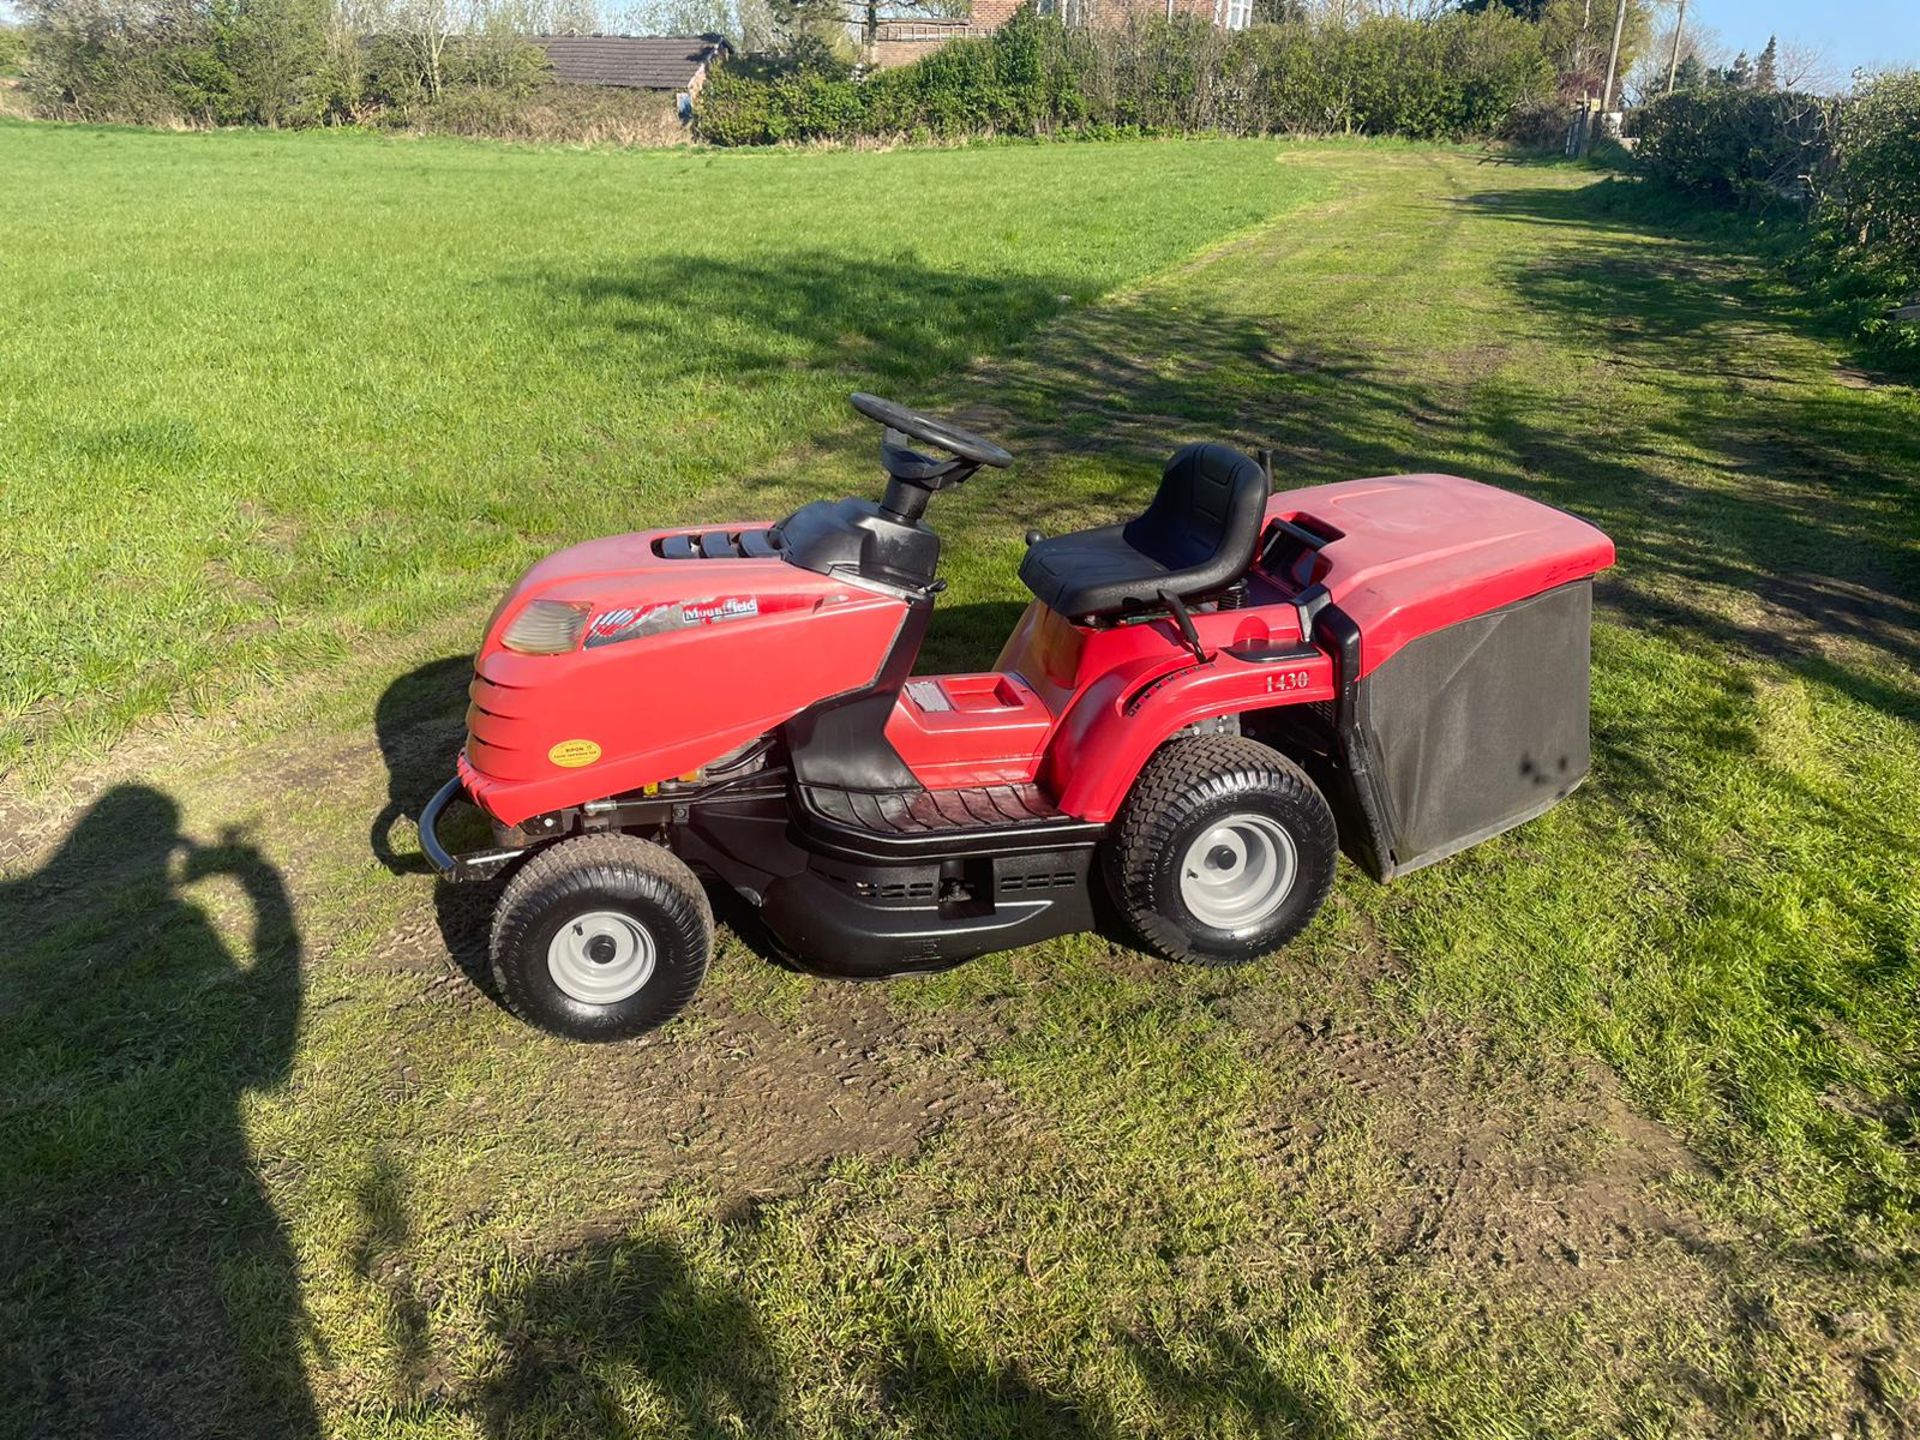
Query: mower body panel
point(681, 661)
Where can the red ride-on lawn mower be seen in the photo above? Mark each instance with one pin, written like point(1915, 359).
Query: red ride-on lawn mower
point(1197, 710)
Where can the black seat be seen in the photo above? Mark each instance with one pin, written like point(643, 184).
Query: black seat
point(1197, 536)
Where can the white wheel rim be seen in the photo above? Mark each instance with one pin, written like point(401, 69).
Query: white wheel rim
point(601, 957)
point(1238, 872)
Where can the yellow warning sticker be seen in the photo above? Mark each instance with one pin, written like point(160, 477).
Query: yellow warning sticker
point(572, 754)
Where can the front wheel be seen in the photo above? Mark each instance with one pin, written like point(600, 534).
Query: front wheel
point(1223, 852)
point(601, 937)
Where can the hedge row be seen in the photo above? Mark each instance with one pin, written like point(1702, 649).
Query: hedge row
point(1853, 164)
point(1872, 205)
point(260, 62)
point(1736, 146)
point(1455, 76)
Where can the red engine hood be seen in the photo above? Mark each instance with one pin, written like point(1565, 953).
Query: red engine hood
point(1416, 553)
point(682, 661)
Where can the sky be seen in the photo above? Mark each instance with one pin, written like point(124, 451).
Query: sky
point(1877, 34)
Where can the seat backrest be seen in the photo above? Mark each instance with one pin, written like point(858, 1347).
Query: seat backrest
point(1207, 514)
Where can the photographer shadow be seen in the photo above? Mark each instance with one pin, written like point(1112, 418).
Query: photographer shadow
point(139, 1234)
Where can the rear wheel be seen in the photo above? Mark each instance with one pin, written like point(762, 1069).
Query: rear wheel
point(601, 937)
point(1223, 852)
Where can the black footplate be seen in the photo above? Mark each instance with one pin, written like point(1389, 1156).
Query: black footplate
point(907, 812)
point(977, 820)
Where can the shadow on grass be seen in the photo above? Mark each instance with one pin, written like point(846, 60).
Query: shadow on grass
point(876, 320)
point(1808, 497)
point(615, 1338)
point(146, 1286)
point(629, 1336)
point(618, 1338)
point(419, 723)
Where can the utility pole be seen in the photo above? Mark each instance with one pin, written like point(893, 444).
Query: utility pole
point(1613, 57)
point(1673, 61)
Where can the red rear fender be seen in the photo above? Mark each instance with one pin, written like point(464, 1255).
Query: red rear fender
point(1113, 730)
point(1121, 691)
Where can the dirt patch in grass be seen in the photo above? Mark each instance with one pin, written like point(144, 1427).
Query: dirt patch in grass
point(1548, 1184)
point(1528, 1171)
point(739, 1105)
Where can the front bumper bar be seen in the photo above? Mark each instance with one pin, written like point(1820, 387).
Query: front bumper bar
point(473, 865)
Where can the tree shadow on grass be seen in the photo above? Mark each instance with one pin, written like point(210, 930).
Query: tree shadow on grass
point(1807, 497)
point(146, 1286)
point(626, 1336)
point(1806, 506)
point(871, 319)
point(618, 1337)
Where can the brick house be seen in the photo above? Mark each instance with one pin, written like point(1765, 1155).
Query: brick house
point(900, 42)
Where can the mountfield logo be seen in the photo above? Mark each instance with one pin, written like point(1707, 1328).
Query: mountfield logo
point(630, 622)
point(734, 607)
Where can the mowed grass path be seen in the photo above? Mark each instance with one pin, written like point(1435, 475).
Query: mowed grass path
point(1605, 1128)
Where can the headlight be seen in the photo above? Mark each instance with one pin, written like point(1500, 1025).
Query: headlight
point(546, 627)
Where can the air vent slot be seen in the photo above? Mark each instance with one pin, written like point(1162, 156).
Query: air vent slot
point(1055, 881)
point(894, 890)
point(721, 545)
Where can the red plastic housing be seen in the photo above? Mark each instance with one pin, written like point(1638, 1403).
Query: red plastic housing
point(694, 680)
point(685, 660)
point(1412, 554)
point(1417, 553)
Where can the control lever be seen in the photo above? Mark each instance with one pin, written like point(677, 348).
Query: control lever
point(1184, 620)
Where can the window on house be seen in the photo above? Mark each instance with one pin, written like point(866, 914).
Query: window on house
point(1239, 14)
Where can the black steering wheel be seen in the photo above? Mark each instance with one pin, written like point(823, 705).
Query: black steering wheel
point(976, 449)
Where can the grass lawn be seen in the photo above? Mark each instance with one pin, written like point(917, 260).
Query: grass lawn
point(1604, 1128)
point(302, 396)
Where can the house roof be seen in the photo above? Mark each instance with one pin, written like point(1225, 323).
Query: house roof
point(641, 62)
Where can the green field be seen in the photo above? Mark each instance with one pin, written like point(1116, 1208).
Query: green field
point(297, 398)
point(1605, 1128)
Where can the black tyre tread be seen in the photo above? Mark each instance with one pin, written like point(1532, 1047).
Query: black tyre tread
point(589, 862)
point(1181, 777)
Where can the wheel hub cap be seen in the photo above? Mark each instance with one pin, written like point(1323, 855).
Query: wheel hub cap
point(601, 957)
point(1238, 872)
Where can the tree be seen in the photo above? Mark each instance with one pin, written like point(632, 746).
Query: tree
point(1647, 80)
point(1576, 36)
point(13, 49)
point(1765, 69)
point(812, 34)
point(1739, 74)
point(1531, 10)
